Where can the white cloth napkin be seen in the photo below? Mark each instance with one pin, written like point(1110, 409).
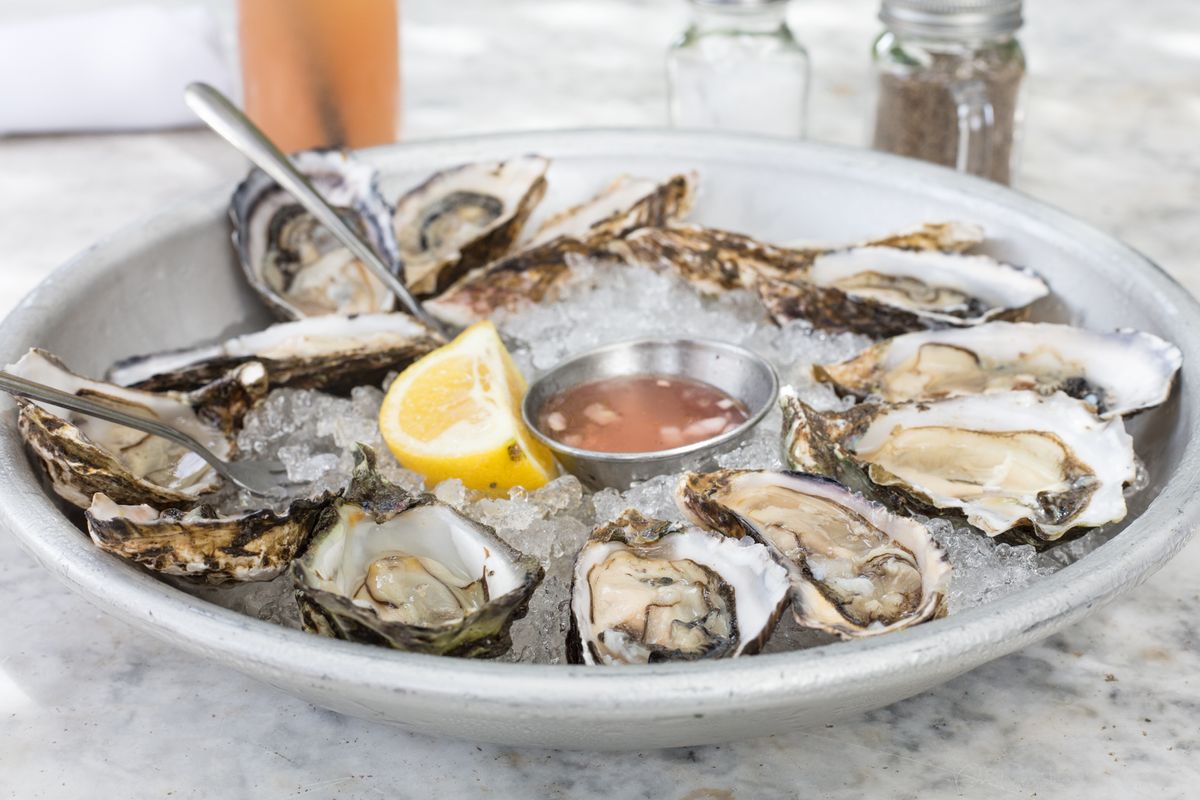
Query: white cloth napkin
point(122, 68)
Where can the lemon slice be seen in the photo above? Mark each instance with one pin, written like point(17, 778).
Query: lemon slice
point(456, 413)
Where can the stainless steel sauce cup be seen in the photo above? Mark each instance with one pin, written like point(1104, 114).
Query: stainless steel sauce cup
point(734, 370)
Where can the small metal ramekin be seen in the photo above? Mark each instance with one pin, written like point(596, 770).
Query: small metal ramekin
point(732, 369)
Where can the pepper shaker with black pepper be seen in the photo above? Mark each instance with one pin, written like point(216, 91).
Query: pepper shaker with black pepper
point(949, 75)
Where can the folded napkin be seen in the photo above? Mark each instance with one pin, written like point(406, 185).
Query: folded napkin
point(122, 68)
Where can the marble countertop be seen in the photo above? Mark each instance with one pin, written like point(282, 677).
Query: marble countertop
point(1109, 709)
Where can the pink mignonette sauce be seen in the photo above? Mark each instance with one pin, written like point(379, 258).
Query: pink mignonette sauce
point(639, 414)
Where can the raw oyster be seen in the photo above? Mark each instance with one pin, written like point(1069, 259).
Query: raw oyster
point(463, 218)
point(389, 568)
point(296, 265)
point(855, 568)
point(1118, 373)
point(717, 261)
point(84, 455)
point(535, 272)
point(625, 205)
point(332, 353)
point(883, 291)
point(202, 543)
point(646, 591)
point(528, 276)
point(1014, 463)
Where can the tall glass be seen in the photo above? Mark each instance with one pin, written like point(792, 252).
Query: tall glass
point(321, 73)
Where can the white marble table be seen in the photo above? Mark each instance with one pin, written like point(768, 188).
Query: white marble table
point(88, 707)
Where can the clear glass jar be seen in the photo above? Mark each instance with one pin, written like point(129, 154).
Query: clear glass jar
point(951, 95)
point(738, 67)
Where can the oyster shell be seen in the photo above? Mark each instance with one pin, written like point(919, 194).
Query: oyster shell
point(717, 261)
point(537, 271)
point(855, 568)
point(203, 543)
point(83, 455)
point(646, 591)
point(463, 218)
point(944, 237)
point(1014, 463)
point(1118, 372)
point(712, 260)
point(331, 353)
point(389, 568)
point(882, 291)
point(625, 205)
point(297, 267)
point(528, 276)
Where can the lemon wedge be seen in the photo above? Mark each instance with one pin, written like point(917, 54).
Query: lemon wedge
point(456, 413)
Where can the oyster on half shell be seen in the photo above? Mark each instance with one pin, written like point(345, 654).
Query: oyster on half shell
point(855, 568)
point(464, 217)
point(716, 261)
point(646, 591)
point(332, 353)
point(884, 291)
point(298, 267)
point(1016, 464)
point(389, 568)
point(536, 271)
point(203, 543)
point(1118, 372)
point(83, 455)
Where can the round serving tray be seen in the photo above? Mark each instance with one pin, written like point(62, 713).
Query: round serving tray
point(171, 281)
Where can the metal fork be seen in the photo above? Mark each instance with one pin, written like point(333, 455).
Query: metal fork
point(257, 477)
point(219, 113)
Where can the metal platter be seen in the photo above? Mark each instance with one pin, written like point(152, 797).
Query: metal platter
point(171, 281)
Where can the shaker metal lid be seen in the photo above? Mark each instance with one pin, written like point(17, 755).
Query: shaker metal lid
point(952, 19)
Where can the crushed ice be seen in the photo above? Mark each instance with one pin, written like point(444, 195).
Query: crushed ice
point(314, 434)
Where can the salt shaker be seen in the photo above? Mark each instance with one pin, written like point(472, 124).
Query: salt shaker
point(738, 67)
point(949, 75)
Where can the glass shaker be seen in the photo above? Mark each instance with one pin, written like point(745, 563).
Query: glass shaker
point(948, 77)
point(738, 67)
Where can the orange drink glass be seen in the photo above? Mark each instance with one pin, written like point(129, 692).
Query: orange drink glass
point(321, 72)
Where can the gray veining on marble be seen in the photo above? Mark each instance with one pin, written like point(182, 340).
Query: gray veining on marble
point(1107, 710)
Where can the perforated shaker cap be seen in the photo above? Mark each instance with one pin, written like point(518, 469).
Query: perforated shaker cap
point(952, 19)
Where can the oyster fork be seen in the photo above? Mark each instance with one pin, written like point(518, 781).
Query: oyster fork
point(258, 477)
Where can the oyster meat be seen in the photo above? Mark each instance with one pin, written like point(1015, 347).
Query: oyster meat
point(389, 568)
point(1118, 372)
point(203, 543)
point(883, 291)
point(463, 218)
point(297, 266)
point(83, 455)
point(647, 591)
point(332, 353)
point(535, 272)
point(1029, 466)
point(855, 568)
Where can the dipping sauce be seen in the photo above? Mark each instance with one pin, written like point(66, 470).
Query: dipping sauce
point(639, 414)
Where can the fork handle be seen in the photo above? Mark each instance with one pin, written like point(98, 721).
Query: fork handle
point(218, 113)
point(23, 387)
